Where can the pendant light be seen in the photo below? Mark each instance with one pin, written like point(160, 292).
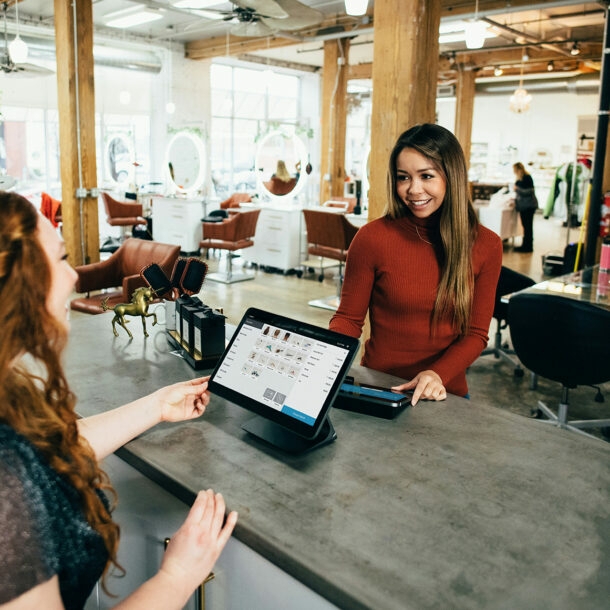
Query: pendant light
point(170, 107)
point(356, 8)
point(475, 30)
point(17, 49)
point(520, 99)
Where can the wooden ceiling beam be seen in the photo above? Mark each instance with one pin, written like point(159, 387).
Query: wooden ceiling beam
point(218, 46)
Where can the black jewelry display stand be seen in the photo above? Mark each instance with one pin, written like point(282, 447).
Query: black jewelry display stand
point(288, 441)
point(196, 362)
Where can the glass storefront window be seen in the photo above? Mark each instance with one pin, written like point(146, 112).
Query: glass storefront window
point(243, 99)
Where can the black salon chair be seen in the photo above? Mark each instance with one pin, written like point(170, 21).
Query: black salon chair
point(564, 340)
point(509, 282)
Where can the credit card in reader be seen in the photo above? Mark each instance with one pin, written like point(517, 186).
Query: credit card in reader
point(370, 399)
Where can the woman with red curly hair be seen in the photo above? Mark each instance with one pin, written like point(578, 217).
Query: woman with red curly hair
point(55, 515)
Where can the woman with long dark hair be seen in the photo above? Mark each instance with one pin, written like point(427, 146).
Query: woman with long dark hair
point(426, 272)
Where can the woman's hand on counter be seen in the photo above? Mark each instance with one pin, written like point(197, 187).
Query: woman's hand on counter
point(427, 385)
point(183, 400)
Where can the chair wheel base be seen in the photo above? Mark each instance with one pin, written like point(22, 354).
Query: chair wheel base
point(518, 373)
point(537, 414)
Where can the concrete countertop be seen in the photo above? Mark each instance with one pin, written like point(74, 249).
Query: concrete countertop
point(451, 505)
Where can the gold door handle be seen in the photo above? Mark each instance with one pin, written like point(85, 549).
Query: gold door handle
point(200, 592)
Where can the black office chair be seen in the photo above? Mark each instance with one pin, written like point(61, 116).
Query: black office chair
point(564, 340)
point(509, 282)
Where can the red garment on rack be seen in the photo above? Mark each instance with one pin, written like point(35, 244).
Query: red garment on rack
point(50, 208)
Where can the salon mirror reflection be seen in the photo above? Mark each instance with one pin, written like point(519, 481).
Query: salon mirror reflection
point(185, 162)
point(281, 162)
point(120, 159)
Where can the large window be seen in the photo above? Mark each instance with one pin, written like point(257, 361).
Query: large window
point(244, 103)
point(32, 137)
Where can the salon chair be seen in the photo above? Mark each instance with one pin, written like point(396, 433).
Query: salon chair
point(509, 282)
point(329, 235)
point(121, 271)
point(122, 214)
point(564, 340)
point(232, 234)
point(235, 200)
point(346, 204)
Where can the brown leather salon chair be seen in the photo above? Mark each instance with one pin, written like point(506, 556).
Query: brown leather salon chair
point(235, 200)
point(232, 234)
point(122, 213)
point(329, 235)
point(346, 204)
point(121, 270)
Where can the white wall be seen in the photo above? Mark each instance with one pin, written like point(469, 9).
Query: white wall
point(550, 124)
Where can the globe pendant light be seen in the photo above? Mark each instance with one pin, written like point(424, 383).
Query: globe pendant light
point(520, 99)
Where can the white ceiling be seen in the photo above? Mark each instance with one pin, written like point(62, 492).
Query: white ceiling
point(548, 29)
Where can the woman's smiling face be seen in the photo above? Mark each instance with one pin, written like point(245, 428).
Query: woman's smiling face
point(420, 185)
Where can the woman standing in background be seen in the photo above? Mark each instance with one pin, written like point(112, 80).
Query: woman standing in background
point(526, 204)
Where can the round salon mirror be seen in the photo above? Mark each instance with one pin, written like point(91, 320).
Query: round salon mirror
point(280, 162)
point(185, 162)
point(120, 159)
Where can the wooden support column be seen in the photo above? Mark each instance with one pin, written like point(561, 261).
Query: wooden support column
point(334, 113)
point(76, 103)
point(464, 109)
point(404, 81)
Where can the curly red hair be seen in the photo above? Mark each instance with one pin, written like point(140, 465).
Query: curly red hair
point(35, 399)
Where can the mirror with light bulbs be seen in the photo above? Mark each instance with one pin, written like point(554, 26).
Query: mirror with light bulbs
point(281, 166)
point(185, 162)
point(120, 160)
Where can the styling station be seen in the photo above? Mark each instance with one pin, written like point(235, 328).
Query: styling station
point(451, 504)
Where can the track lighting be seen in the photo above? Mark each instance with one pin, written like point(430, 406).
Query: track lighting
point(550, 66)
point(575, 50)
point(498, 71)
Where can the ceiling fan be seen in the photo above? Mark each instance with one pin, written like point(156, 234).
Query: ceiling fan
point(266, 17)
point(8, 66)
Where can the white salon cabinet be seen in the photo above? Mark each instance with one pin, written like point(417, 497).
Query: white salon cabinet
point(278, 238)
point(178, 222)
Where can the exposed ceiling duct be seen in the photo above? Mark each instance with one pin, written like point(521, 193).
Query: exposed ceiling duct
point(585, 84)
point(43, 49)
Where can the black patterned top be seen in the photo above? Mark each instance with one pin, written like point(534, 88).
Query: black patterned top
point(42, 527)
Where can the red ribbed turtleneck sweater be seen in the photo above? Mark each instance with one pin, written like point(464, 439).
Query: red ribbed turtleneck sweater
point(393, 272)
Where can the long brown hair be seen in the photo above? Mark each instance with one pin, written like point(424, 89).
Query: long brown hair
point(35, 399)
point(458, 222)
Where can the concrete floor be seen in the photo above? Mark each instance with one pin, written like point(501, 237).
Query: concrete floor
point(490, 380)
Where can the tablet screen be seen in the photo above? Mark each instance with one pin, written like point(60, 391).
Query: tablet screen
point(283, 369)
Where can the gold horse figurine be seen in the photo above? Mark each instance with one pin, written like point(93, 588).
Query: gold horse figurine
point(140, 300)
